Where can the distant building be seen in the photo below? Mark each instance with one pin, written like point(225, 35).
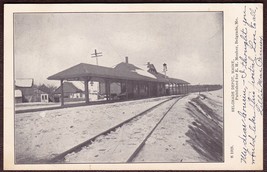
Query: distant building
point(44, 94)
point(26, 91)
point(71, 92)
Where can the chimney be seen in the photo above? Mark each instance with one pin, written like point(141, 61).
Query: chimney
point(126, 59)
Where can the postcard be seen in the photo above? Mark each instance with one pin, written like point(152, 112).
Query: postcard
point(133, 86)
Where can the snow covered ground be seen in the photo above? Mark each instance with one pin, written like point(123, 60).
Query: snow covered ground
point(179, 139)
point(120, 144)
point(192, 131)
point(42, 135)
point(168, 141)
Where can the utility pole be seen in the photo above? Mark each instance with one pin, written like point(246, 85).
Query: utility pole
point(96, 55)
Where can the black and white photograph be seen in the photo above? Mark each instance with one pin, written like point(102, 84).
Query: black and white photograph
point(133, 87)
point(118, 87)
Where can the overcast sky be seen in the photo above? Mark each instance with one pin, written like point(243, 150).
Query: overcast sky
point(190, 43)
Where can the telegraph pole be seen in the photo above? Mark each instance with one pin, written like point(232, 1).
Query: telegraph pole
point(96, 55)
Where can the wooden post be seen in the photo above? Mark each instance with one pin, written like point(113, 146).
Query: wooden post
point(62, 92)
point(86, 90)
point(126, 90)
point(173, 89)
point(138, 89)
point(161, 89)
point(107, 86)
point(170, 86)
point(149, 89)
point(158, 89)
point(164, 88)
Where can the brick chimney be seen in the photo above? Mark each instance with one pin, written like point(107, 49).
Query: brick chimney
point(126, 59)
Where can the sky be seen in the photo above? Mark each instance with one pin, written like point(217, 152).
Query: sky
point(190, 43)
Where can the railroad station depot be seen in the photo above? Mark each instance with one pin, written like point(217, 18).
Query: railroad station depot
point(124, 81)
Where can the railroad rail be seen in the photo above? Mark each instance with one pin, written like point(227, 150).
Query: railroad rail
point(139, 148)
point(60, 157)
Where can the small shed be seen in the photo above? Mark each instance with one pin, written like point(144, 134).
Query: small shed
point(71, 92)
point(44, 94)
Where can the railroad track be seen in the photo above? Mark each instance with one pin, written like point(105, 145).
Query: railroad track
point(109, 134)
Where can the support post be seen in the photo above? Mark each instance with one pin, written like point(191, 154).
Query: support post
point(107, 87)
point(86, 90)
point(164, 88)
point(149, 89)
point(173, 88)
point(62, 92)
point(126, 90)
point(157, 89)
point(138, 89)
point(170, 88)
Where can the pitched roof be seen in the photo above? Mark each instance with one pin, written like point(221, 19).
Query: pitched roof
point(178, 81)
point(151, 70)
point(44, 88)
point(121, 71)
point(85, 70)
point(140, 70)
point(26, 83)
point(68, 87)
point(126, 66)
